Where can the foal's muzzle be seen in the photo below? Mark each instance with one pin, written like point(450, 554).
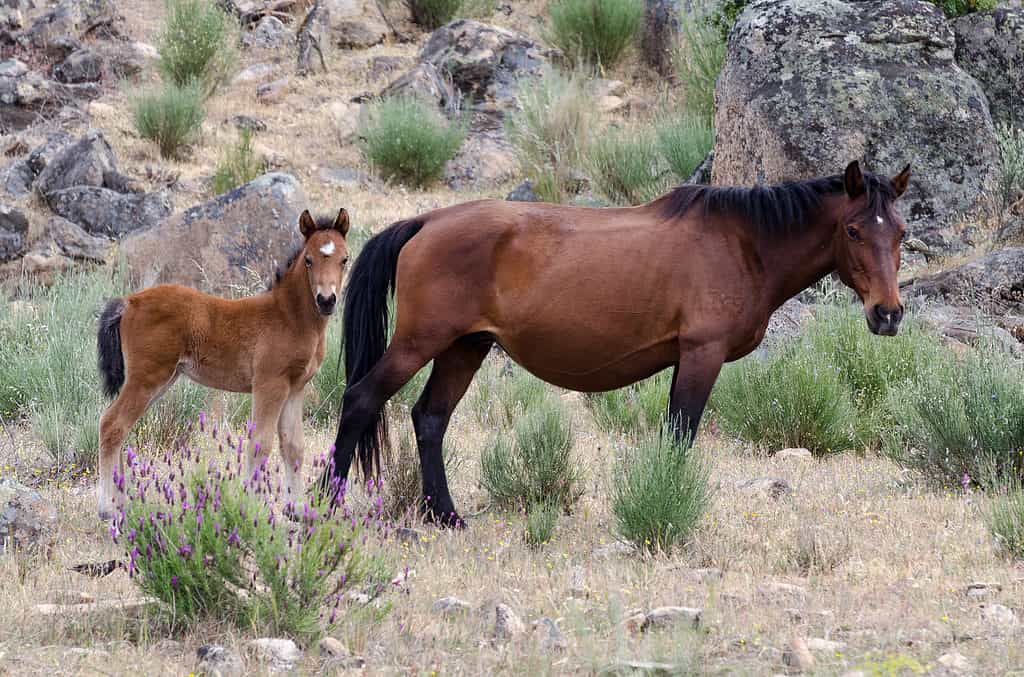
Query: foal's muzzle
point(326, 304)
point(884, 320)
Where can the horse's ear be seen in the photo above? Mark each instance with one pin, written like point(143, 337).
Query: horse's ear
point(853, 180)
point(900, 181)
point(341, 223)
point(307, 226)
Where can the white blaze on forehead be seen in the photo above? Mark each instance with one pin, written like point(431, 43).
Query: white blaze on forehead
point(879, 218)
point(327, 249)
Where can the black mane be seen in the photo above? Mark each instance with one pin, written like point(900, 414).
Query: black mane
point(322, 223)
point(774, 211)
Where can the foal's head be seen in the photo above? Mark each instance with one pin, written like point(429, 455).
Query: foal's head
point(867, 245)
point(324, 255)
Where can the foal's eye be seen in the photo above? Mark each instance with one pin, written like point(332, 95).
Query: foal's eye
point(853, 233)
point(309, 261)
point(344, 261)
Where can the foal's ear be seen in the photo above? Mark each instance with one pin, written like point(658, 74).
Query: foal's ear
point(853, 180)
point(341, 223)
point(900, 181)
point(307, 226)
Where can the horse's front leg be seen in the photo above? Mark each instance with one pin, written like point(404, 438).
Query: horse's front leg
point(289, 429)
point(695, 375)
point(268, 400)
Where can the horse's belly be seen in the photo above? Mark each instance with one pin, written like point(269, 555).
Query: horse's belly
point(216, 376)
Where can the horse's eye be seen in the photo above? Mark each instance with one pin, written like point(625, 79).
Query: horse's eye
point(309, 261)
point(344, 261)
point(853, 233)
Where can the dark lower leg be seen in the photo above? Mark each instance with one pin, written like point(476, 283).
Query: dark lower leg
point(691, 386)
point(450, 377)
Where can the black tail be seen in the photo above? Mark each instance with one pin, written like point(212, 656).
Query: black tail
point(365, 324)
point(108, 348)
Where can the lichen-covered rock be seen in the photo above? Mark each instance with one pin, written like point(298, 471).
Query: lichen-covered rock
point(83, 65)
point(995, 283)
point(27, 520)
point(217, 246)
point(102, 211)
point(990, 46)
point(86, 162)
point(485, 62)
point(483, 161)
point(355, 23)
point(808, 86)
point(426, 82)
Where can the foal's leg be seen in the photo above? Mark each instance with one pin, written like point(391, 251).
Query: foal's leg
point(268, 399)
point(450, 376)
point(289, 429)
point(695, 375)
point(142, 388)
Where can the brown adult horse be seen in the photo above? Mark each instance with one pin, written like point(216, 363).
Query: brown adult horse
point(270, 345)
point(596, 299)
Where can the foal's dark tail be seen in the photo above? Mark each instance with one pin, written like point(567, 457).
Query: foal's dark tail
point(365, 325)
point(108, 347)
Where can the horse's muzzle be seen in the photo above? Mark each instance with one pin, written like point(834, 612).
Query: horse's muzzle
point(884, 320)
point(326, 304)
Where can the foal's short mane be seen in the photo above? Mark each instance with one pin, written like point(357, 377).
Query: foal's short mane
point(322, 223)
point(773, 211)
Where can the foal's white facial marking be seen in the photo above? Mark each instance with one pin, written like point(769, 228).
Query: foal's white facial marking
point(878, 218)
point(327, 249)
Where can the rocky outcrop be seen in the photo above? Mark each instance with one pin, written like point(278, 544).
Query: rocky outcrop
point(27, 520)
point(990, 46)
point(355, 23)
point(994, 283)
point(808, 86)
point(220, 245)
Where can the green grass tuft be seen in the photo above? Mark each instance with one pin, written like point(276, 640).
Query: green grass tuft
point(634, 410)
point(239, 165)
point(699, 59)
point(684, 140)
point(625, 165)
point(197, 44)
point(594, 31)
point(171, 116)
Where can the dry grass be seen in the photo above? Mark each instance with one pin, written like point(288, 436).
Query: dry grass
point(885, 563)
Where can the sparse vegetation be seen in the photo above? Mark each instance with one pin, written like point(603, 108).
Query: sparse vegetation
point(503, 395)
point(537, 463)
point(170, 115)
point(198, 44)
point(1011, 175)
point(660, 492)
point(594, 31)
point(684, 140)
point(1005, 520)
point(954, 8)
point(408, 141)
point(634, 410)
point(239, 165)
point(218, 546)
point(698, 61)
point(541, 520)
point(625, 166)
point(402, 489)
point(550, 133)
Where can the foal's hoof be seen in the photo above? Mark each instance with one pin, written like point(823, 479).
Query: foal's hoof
point(106, 514)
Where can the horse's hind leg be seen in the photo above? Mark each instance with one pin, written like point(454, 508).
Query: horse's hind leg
point(451, 375)
point(138, 393)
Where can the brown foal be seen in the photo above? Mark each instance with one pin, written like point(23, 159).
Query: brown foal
point(596, 299)
point(270, 345)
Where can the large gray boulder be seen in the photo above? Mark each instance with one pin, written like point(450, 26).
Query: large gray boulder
point(89, 161)
point(220, 245)
point(355, 23)
point(102, 211)
point(13, 229)
point(809, 85)
point(993, 283)
point(990, 46)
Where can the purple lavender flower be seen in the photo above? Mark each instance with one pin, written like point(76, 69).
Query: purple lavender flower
point(185, 551)
point(202, 421)
point(233, 538)
point(174, 582)
point(965, 481)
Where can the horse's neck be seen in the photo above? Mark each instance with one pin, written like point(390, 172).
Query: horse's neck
point(292, 296)
point(794, 263)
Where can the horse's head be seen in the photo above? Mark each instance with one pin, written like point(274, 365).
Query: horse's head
point(867, 245)
point(324, 255)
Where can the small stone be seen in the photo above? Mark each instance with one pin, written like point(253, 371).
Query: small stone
point(798, 454)
point(344, 118)
point(346, 177)
point(616, 549)
point(98, 109)
point(507, 624)
point(634, 623)
point(249, 123)
point(983, 590)
point(773, 487)
point(578, 583)
point(954, 661)
point(360, 598)
point(1000, 616)
point(825, 645)
point(549, 637)
point(270, 32)
point(797, 657)
point(169, 647)
point(272, 92)
point(333, 648)
point(72, 597)
point(450, 605)
point(282, 654)
point(610, 104)
point(665, 616)
point(404, 577)
point(254, 73)
point(601, 87)
point(783, 590)
point(215, 659)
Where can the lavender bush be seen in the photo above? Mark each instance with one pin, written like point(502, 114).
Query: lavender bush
point(211, 543)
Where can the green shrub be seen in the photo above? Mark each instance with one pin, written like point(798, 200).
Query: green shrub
point(625, 166)
point(433, 14)
point(239, 165)
point(1005, 520)
point(1011, 175)
point(698, 60)
point(48, 363)
point(171, 116)
point(594, 31)
point(660, 492)
point(502, 396)
point(954, 8)
point(537, 464)
point(169, 417)
point(541, 520)
point(962, 422)
point(197, 44)
point(684, 140)
point(550, 132)
point(213, 545)
point(408, 141)
point(634, 410)
point(724, 16)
